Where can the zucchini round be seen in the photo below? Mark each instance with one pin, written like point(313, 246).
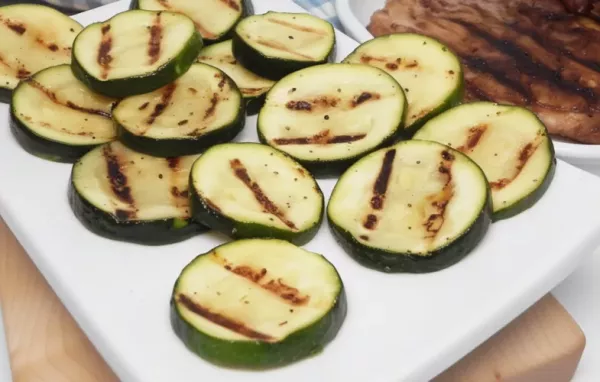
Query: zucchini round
point(510, 144)
point(55, 116)
point(214, 19)
point(329, 116)
point(276, 44)
point(124, 195)
point(431, 75)
point(135, 52)
point(253, 87)
point(415, 207)
point(249, 190)
point(200, 109)
point(258, 304)
point(34, 37)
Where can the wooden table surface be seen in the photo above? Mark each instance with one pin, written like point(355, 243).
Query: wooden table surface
point(46, 345)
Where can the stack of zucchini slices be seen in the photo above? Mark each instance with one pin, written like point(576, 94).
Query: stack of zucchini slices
point(147, 105)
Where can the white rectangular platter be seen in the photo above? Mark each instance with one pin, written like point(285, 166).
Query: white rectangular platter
point(398, 328)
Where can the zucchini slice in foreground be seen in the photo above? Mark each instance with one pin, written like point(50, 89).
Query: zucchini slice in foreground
point(202, 108)
point(429, 72)
point(258, 304)
point(124, 195)
point(214, 19)
point(248, 190)
point(328, 116)
point(276, 44)
point(253, 87)
point(135, 52)
point(509, 143)
point(415, 207)
point(54, 116)
point(34, 37)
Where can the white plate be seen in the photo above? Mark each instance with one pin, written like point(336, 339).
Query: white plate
point(355, 15)
point(399, 327)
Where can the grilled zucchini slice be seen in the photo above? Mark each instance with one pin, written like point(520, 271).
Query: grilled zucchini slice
point(510, 144)
point(135, 52)
point(253, 87)
point(249, 190)
point(202, 108)
point(214, 19)
point(429, 72)
point(415, 207)
point(124, 195)
point(258, 304)
point(34, 37)
point(276, 44)
point(329, 116)
point(54, 116)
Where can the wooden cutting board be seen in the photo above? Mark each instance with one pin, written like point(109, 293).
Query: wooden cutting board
point(545, 344)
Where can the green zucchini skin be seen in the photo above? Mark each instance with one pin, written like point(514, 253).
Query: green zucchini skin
point(180, 147)
point(247, 10)
point(5, 95)
point(209, 216)
point(270, 68)
point(381, 260)
point(44, 148)
point(153, 233)
point(124, 87)
point(331, 168)
point(261, 355)
point(530, 200)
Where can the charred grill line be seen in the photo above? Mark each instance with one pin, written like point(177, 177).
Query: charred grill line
point(383, 180)
point(221, 320)
point(155, 40)
point(297, 27)
point(242, 174)
point(232, 4)
point(322, 138)
point(104, 58)
point(160, 107)
point(435, 221)
point(475, 134)
point(525, 154)
point(18, 28)
point(52, 96)
point(283, 48)
point(118, 180)
point(213, 106)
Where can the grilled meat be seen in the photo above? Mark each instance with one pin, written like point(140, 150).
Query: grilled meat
point(523, 52)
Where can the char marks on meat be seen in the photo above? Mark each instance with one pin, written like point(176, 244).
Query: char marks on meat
point(544, 55)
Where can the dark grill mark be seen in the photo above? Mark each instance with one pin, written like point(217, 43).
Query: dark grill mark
point(364, 237)
point(222, 82)
point(155, 40)
point(436, 218)
point(165, 100)
point(182, 123)
point(475, 134)
point(117, 179)
point(525, 154)
point(231, 4)
point(286, 292)
point(179, 194)
point(383, 180)
point(370, 222)
point(53, 47)
point(364, 97)
point(248, 273)
point(298, 105)
point(124, 215)
point(52, 96)
point(174, 163)
point(391, 66)
point(213, 106)
point(300, 28)
point(322, 138)
point(18, 28)
point(192, 90)
point(104, 58)
point(221, 320)
point(282, 47)
point(144, 105)
point(23, 73)
point(242, 174)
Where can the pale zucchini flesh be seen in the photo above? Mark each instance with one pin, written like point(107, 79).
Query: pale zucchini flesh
point(135, 52)
point(125, 195)
point(201, 108)
point(330, 115)
point(220, 55)
point(258, 303)
point(430, 74)
point(509, 143)
point(417, 206)
point(55, 115)
point(213, 18)
point(34, 37)
point(250, 190)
